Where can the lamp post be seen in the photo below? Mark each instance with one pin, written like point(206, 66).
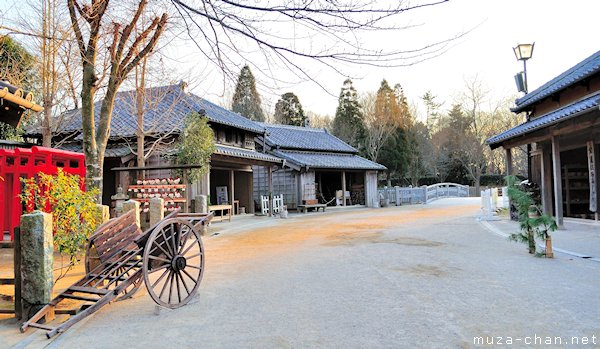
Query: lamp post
point(523, 52)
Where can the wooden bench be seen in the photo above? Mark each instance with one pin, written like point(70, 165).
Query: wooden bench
point(224, 209)
point(305, 208)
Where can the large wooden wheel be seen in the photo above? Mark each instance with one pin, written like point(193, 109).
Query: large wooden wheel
point(116, 277)
point(173, 262)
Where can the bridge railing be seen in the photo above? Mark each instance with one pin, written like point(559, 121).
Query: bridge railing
point(421, 195)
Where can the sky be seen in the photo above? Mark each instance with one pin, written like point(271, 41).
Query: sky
point(562, 31)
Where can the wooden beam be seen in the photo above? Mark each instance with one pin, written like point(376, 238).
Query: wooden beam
point(558, 199)
point(344, 188)
point(270, 184)
point(509, 162)
point(232, 186)
point(593, 176)
point(546, 188)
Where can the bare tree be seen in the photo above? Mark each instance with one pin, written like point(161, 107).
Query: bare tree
point(230, 31)
point(125, 51)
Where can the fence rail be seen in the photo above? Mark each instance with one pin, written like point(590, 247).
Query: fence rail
point(420, 195)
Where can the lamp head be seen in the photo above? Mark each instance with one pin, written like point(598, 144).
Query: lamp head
point(524, 52)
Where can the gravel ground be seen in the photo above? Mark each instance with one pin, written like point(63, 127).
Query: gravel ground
point(423, 276)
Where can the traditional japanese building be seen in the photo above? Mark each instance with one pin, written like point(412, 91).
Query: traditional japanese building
point(317, 166)
point(563, 129)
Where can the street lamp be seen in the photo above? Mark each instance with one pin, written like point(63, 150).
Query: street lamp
point(523, 52)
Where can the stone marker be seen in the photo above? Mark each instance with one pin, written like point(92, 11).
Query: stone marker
point(37, 259)
point(157, 210)
point(201, 204)
point(104, 212)
point(133, 205)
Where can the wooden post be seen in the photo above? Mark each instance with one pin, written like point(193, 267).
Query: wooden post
point(270, 184)
point(547, 181)
point(232, 190)
point(344, 188)
point(509, 162)
point(593, 176)
point(188, 188)
point(17, 267)
point(558, 199)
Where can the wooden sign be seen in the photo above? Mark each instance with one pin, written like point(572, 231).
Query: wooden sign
point(591, 152)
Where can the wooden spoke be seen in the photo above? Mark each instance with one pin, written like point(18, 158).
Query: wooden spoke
point(159, 259)
point(178, 237)
point(155, 269)
point(183, 282)
point(160, 278)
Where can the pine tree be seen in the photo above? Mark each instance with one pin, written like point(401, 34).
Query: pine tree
point(348, 124)
point(288, 110)
point(246, 100)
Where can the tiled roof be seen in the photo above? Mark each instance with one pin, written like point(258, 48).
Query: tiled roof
point(304, 138)
point(328, 160)
point(582, 70)
point(583, 105)
point(166, 108)
point(244, 153)
point(112, 150)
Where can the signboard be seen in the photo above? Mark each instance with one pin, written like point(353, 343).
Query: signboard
point(591, 152)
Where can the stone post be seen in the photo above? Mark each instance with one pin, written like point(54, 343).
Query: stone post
point(37, 259)
point(133, 205)
point(398, 198)
point(157, 210)
point(104, 212)
point(201, 204)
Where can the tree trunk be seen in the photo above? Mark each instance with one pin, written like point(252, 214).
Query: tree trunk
point(46, 128)
point(90, 149)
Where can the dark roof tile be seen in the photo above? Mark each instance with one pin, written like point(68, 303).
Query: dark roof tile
point(304, 138)
point(328, 160)
point(586, 104)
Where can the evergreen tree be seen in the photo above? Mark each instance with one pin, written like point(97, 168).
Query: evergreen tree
point(432, 113)
point(348, 124)
point(17, 65)
point(246, 100)
point(288, 110)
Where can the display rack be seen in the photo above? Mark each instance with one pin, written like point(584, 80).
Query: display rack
point(576, 187)
point(174, 195)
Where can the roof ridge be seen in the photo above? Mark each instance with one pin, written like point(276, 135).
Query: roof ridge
point(294, 127)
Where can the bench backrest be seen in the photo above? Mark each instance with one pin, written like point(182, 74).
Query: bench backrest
point(115, 235)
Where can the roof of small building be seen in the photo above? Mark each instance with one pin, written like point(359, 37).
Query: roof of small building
point(244, 153)
point(165, 111)
point(585, 104)
point(342, 161)
point(304, 138)
point(579, 72)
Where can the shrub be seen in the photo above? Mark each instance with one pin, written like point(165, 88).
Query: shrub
point(74, 212)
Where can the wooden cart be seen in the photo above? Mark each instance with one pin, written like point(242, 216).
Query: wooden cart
point(168, 257)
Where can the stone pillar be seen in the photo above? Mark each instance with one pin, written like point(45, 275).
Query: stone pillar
point(133, 205)
point(398, 198)
point(201, 204)
point(104, 212)
point(157, 210)
point(37, 259)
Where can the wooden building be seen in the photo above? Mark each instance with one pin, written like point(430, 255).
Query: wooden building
point(317, 166)
point(165, 109)
point(563, 128)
